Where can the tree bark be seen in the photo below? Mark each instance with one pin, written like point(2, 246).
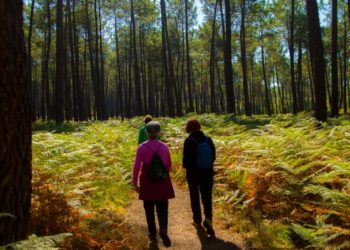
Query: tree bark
point(29, 53)
point(345, 80)
point(247, 106)
point(213, 106)
point(334, 53)
point(317, 58)
point(138, 100)
point(102, 81)
point(188, 67)
point(266, 84)
point(59, 82)
point(291, 55)
point(15, 125)
point(230, 97)
point(169, 82)
point(301, 95)
point(119, 84)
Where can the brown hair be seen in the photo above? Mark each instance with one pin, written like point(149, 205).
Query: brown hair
point(147, 118)
point(193, 125)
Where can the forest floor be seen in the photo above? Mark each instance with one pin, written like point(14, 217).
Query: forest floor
point(182, 233)
point(280, 183)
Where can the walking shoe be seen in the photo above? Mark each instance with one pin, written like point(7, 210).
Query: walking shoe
point(207, 224)
point(165, 238)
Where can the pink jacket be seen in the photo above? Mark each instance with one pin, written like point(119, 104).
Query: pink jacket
point(151, 190)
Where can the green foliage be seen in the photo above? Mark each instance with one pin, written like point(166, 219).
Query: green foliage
point(38, 243)
point(281, 182)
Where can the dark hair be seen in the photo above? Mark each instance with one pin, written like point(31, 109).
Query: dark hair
point(193, 125)
point(147, 118)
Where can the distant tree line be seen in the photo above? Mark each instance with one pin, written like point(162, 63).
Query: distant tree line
point(96, 59)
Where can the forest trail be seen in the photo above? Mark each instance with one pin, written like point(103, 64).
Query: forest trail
point(182, 233)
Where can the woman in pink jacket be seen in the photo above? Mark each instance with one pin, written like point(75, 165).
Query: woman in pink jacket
point(153, 194)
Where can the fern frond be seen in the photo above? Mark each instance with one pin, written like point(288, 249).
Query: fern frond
point(39, 243)
point(7, 215)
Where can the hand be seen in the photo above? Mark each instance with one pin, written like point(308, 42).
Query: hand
point(137, 188)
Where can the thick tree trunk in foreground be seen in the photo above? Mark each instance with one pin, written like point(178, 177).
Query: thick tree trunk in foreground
point(317, 59)
point(15, 125)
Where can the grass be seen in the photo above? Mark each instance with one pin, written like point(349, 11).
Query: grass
point(281, 182)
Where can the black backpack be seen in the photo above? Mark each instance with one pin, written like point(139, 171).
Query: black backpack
point(156, 171)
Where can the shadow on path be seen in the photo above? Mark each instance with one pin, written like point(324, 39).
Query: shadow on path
point(209, 243)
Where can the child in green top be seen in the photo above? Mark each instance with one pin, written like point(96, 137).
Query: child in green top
point(142, 131)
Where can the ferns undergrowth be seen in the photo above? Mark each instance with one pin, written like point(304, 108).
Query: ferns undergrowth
point(285, 179)
point(281, 182)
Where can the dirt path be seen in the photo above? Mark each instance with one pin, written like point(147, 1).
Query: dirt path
point(183, 235)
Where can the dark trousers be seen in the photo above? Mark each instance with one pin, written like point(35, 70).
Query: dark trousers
point(162, 212)
point(200, 182)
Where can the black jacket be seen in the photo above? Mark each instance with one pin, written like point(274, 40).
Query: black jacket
point(190, 149)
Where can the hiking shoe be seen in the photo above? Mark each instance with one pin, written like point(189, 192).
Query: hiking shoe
point(207, 224)
point(165, 238)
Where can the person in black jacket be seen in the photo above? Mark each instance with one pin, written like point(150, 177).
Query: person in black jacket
point(199, 178)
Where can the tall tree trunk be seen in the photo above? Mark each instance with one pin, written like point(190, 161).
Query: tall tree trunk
point(94, 76)
point(334, 53)
point(138, 100)
point(80, 92)
point(29, 53)
point(291, 55)
point(317, 57)
point(349, 11)
point(43, 77)
point(345, 80)
point(188, 67)
point(230, 97)
point(176, 90)
point(213, 106)
point(49, 104)
point(101, 109)
point(266, 84)
point(72, 62)
point(119, 85)
point(59, 82)
point(102, 81)
point(300, 88)
point(15, 125)
point(247, 106)
point(169, 82)
point(67, 75)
